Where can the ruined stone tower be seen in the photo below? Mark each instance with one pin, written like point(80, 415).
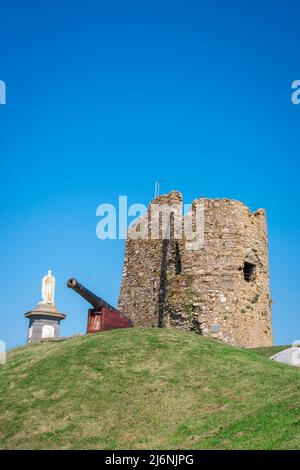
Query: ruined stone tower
point(221, 289)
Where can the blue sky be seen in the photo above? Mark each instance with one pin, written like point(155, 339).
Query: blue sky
point(103, 98)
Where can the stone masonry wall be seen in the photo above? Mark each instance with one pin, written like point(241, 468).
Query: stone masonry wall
point(220, 290)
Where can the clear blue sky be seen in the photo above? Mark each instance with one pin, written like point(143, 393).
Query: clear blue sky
point(103, 98)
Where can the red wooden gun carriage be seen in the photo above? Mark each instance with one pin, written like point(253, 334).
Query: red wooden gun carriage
point(102, 316)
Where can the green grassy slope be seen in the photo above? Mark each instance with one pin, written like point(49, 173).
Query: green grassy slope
point(146, 388)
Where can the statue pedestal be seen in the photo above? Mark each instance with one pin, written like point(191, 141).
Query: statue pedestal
point(44, 322)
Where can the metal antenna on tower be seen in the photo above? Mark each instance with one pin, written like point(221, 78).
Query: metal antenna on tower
point(157, 188)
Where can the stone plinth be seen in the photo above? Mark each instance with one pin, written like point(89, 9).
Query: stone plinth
point(44, 323)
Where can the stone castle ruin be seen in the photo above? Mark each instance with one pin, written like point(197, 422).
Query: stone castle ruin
point(220, 289)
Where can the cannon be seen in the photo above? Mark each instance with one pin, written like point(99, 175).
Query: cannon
point(102, 316)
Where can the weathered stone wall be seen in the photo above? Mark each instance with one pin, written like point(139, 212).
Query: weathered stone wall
point(209, 290)
point(143, 274)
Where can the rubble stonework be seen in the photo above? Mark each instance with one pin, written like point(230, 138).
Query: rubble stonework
point(220, 290)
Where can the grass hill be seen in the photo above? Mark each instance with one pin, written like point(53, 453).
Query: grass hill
point(146, 388)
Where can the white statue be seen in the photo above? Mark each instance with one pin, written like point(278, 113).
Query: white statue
point(48, 288)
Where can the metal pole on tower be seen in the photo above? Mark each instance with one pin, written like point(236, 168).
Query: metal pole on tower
point(157, 188)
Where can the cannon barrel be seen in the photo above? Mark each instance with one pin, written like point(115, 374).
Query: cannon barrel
point(95, 301)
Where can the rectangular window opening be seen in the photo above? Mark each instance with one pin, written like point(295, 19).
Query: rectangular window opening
point(177, 260)
point(249, 271)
